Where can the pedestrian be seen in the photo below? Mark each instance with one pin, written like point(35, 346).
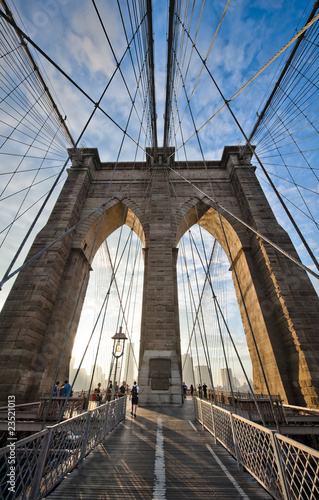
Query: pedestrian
point(109, 391)
point(205, 390)
point(116, 389)
point(122, 390)
point(184, 390)
point(98, 393)
point(134, 397)
point(66, 389)
point(56, 389)
point(55, 404)
point(192, 390)
point(200, 394)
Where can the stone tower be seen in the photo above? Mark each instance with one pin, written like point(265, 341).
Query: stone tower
point(278, 304)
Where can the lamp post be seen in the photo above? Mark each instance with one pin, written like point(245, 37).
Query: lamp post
point(118, 351)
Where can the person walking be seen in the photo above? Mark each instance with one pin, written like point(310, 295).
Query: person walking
point(184, 391)
point(108, 394)
point(54, 404)
point(134, 397)
point(205, 390)
point(56, 389)
point(200, 393)
point(98, 394)
point(122, 390)
point(66, 389)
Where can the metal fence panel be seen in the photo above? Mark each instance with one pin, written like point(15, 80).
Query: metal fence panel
point(301, 468)
point(257, 455)
point(18, 466)
point(223, 428)
point(284, 467)
point(64, 451)
point(207, 417)
point(42, 460)
point(97, 426)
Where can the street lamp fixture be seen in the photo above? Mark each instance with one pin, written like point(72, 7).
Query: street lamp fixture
point(119, 343)
point(118, 351)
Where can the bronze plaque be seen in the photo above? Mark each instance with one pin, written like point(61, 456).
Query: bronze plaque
point(159, 384)
point(160, 373)
point(160, 368)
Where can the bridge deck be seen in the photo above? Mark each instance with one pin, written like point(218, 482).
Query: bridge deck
point(130, 463)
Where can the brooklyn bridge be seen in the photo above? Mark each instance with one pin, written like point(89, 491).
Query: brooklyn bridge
point(159, 226)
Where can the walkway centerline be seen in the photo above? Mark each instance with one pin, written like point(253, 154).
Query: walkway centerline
point(159, 468)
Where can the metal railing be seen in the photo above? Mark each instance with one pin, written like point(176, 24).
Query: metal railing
point(285, 468)
point(58, 408)
point(243, 403)
point(32, 467)
point(22, 409)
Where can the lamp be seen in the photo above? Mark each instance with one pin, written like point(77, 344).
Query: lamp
point(118, 351)
point(119, 343)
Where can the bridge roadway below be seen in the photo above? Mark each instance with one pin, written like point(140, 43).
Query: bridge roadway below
point(161, 454)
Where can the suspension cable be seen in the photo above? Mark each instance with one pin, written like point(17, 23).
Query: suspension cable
point(226, 104)
point(62, 120)
point(96, 104)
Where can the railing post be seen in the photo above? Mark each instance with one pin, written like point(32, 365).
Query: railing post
point(195, 408)
point(213, 423)
point(85, 440)
point(36, 483)
point(239, 465)
point(107, 410)
point(281, 472)
point(201, 413)
point(123, 409)
point(120, 410)
point(116, 412)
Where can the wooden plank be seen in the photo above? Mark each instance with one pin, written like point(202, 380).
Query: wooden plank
point(123, 465)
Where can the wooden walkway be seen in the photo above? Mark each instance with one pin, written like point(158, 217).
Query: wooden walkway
point(161, 454)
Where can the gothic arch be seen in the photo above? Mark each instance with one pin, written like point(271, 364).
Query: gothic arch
point(261, 311)
point(244, 281)
point(114, 216)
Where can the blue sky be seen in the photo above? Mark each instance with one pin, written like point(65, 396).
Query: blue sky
point(251, 33)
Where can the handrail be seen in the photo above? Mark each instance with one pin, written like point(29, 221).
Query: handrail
point(286, 468)
point(32, 467)
point(21, 406)
point(302, 409)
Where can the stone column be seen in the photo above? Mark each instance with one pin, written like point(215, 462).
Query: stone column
point(160, 359)
point(282, 304)
point(28, 342)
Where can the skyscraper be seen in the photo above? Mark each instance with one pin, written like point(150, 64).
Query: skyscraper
point(187, 369)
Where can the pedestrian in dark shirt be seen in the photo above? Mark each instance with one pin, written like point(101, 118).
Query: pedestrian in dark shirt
point(184, 390)
point(98, 394)
point(109, 392)
point(134, 397)
point(200, 392)
point(205, 390)
point(122, 390)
